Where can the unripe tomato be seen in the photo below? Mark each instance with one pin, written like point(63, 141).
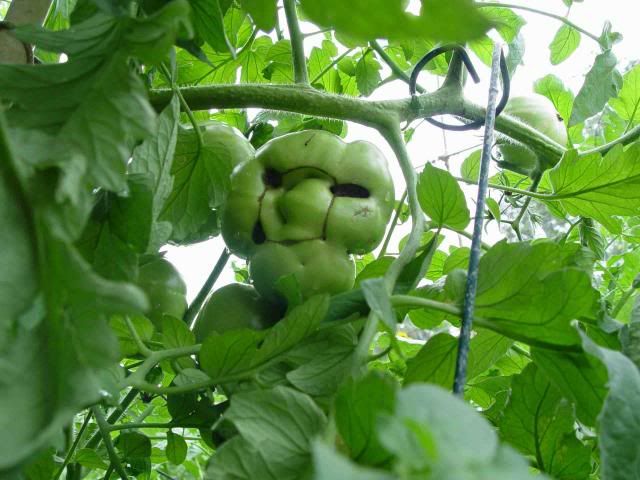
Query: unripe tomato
point(233, 307)
point(539, 113)
point(304, 204)
point(318, 266)
point(165, 289)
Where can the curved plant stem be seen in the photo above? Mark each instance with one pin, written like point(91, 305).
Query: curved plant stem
point(560, 18)
point(625, 139)
point(297, 43)
point(623, 300)
point(114, 416)
point(394, 224)
point(74, 446)
point(397, 71)
point(330, 66)
point(142, 348)
point(194, 308)
point(103, 427)
point(393, 135)
point(517, 191)
point(515, 223)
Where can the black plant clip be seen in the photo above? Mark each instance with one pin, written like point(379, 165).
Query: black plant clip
point(464, 56)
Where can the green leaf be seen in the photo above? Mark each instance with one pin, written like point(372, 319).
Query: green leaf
point(531, 292)
point(579, 378)
point(322, 362)
point(263, 12)
point(562, 98)
point(539, 422)
point(176, 333)
point(209, 24)
point(599, 188)
point(619, 421)
point(494, 209)
point(601, 83)
point(368, 74)
point(565, 42)
point(143, 326)
point(201, 180)
point(378, 299)
point(433, 431)
point(98, 103)
point(89, 458)
point(154, 158)
point(329, 465)
point(453, 20)
point(505, 21)
point(176, 449)
point(18, 257)
point(436, 361)
point(133, 445)
point(242, 352)
point(442, 198)
point(279, 424)
point(357, 406)
point(470, 169)
point(627, 103)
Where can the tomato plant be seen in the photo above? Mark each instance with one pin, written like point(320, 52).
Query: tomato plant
point(402, 308)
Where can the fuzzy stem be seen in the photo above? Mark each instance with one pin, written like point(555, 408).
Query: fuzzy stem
point(297, 43)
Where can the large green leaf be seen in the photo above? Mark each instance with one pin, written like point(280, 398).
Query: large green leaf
point(441, 20)
point(599, 188)
point(539, 422)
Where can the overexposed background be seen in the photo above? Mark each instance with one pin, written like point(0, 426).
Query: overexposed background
point(195, 262)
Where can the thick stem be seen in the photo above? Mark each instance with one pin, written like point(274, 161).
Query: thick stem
point(21, 12)
point(625, 139)
point(297, 43)
point(377, 114)
point(393, 135)
point(114, 416)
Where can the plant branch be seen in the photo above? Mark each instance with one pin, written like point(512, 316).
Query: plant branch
point(194, 308)
point(393, 135)
point(377, 114)
point(395, 68)
point(515, 223)
point(297, 43)
point(74, 446)
point(625, 139)
point(114, 416)
point(103, 427)
point(394, 224)
point(560, 18)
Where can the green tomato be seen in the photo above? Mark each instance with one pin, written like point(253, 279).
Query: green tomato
point(308, 198)
point(165, 289)
point(318, 267)
point(233, 307)
point(539, 113)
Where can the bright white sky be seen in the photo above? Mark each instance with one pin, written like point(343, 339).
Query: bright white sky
point(196, 261)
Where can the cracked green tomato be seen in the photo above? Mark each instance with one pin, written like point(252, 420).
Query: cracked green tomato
point(303, 205)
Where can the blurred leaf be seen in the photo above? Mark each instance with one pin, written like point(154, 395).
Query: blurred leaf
point(263, 12)
point(451, 20)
